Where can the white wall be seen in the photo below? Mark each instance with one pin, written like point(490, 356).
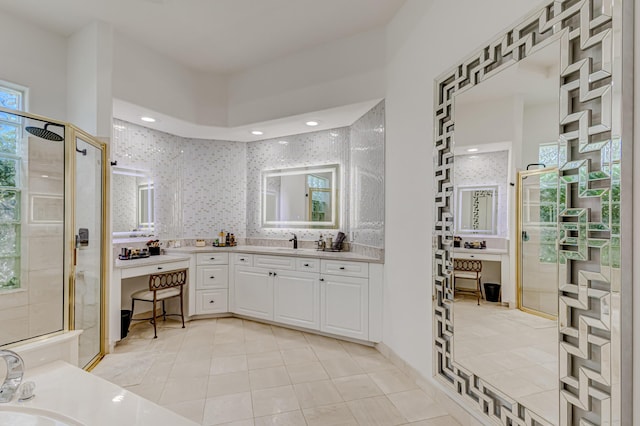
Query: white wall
point(37, 59)
point(89, 66)
point(347, 71)
point(423, 40)
point(149, 79)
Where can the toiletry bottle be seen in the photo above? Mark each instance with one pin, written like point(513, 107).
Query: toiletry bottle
point(233, 240)
point(228, 239)
point(221, 235)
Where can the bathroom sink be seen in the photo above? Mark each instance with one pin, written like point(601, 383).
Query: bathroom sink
point(12, 415)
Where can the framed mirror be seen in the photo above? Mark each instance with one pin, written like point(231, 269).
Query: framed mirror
point(485, 361)
point(133, 203)
point(477, 210)
point(301, 197)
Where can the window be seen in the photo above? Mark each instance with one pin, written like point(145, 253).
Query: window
point(10, 189)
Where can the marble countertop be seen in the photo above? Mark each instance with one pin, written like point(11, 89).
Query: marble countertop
point(277, 251)
point(68, 391)
point(151, 260)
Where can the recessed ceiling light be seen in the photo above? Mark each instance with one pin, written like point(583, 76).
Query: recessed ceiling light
point(472, 150)
point(283, 142)
point(311, 123)
point(257, 132)
point(148, 119)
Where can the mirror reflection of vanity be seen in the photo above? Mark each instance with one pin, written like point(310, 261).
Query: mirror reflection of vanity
point(133, 203)
point(301, 197)
point(477, 210)
point(545, 101)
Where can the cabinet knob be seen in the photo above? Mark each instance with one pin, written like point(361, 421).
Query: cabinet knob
point(212, 277)
point(274, 274)
point(321, 279)
point(212, 258)
point(342, 267)
point(306, 264)
point(242, 259)
point(159, 267)
point(270, 273)
point(212, 301)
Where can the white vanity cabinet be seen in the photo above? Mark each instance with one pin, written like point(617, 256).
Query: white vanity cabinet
point(344, 298)
point(212, 283)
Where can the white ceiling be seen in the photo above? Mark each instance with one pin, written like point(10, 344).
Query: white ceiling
point(223, 36)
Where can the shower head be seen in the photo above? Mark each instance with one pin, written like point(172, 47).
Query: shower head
point(44, 133)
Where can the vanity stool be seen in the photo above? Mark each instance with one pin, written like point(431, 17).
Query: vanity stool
point(469, 270)
point(162, 286)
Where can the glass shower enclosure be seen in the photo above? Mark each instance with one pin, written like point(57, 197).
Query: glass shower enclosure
point(52, 225)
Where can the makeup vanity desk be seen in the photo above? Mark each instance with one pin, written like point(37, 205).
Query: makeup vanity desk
point(492, 255)
point(125, 269)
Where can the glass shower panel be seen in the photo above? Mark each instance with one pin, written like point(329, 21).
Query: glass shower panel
point(32, 171)
point(538, 280)
point(88, 272)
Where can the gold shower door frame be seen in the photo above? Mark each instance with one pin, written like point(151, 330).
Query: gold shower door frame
point(519, 228)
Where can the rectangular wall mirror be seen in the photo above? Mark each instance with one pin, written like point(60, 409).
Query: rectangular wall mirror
point(133, 203)
point(477, 210)
point(301, 197)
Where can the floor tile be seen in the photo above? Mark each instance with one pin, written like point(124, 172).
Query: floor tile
point(292, 418)
point(226, 349)
point(274, 400)
point(228, 364)
point(356, 387)
point(264, 360)
point(314, 394)
point(192, 410)
point(152, 392)
point(330, 415)
point(309, 372)
point(225, 384)
point(416, 405)
point(341, 367)
point(299, 355)
point(376, 411)
point(227, 408)
point(194, 368)
point(264, 344)
point(438, 421)
point(184, 389)
point(392, 381)
point(268, 378)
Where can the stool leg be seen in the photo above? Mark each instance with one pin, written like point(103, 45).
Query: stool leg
point(153, 315)
point(133, 302)
point(479, 290)
point(181, 308)
point(164, 312)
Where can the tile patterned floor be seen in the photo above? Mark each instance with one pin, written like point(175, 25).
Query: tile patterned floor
point(243, 373)
point(515, 351)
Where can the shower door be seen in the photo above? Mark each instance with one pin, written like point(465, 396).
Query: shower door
point(88, 312)
point(537, 257)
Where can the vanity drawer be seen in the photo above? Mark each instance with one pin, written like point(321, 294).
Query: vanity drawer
point(153, 269)
point(212, 277)
point(212, 258)
point(348, 269)
point(243, 259)
point(275, 262)
point(211, 301)
point(308, 265)
point(479, 256)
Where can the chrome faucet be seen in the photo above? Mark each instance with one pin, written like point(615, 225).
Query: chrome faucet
point(15, 371)
point(295, 241)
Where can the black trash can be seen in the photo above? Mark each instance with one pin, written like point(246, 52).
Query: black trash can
point(125, 320)
point(492, 292)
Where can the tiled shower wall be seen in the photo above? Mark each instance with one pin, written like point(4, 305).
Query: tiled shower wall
point(203, 186)
point(490, 168)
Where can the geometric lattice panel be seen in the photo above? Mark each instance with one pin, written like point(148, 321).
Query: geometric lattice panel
point(588, 215)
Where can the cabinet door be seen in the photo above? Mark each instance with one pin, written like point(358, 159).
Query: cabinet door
point(344, 305)
point(253, 292)
point(297, 298)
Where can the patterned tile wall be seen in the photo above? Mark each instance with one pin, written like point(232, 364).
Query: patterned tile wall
point(490, 168)
point(199, 184)
point(324, 147)
point(203, 186)
point(367, 178)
